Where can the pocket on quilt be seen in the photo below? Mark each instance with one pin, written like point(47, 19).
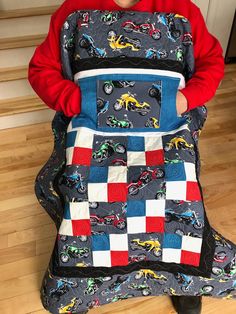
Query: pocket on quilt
point(128, 103)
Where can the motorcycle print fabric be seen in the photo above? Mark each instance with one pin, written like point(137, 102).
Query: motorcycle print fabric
point(130, 183)
point(126, 174)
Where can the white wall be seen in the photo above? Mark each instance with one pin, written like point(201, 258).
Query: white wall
point(219, 16)
point(203, 5)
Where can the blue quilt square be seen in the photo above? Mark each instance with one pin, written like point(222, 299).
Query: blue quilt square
point(100, 242)
point(135, 208)
point(175, 172)
point(66, 213)
point(172, 241)
point(70, 139)
point(136, 143)
point(98, 174)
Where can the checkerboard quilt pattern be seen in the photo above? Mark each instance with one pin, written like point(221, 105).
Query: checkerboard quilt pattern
point(113, 249)
point(181, 249)
point(144, 151)
point(109, 183)
point(141, 150)
point(79, 145)
point(181, 182)
point(143, 218)
point(110, 249)
point(76, 219)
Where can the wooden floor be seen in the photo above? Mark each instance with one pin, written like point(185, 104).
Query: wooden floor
point(27, 233)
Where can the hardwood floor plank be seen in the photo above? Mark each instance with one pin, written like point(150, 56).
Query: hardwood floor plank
point(21, 304)
point(22, 237)
point(18, 228)
point(20, 286)
point(17, 252)
point(23, 267)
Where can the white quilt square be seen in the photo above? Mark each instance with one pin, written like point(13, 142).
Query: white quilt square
point(66, 227)
point(117, 174)
point(191, 244)
point(136, 158)
point(69, 155)
point(84, 138)
point(97, 192)
point(190, 171)
point(176, 190)
point(79, 210)
point(155, 208)
point(136, 224)
point(118, 242)
point(102, 258)
point(171, 255)
point(153, 143)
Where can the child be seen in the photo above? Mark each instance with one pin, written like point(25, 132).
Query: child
point(51, 76)
point(62, 95)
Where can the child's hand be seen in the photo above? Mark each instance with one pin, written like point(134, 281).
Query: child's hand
point(181, 103)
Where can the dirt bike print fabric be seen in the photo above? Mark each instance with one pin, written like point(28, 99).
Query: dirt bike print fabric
point(130, 204)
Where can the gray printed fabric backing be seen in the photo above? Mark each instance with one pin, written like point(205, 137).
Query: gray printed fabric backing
point(77, 279)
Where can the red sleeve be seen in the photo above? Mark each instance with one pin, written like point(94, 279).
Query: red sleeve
point(45, 71)
point(209, 63)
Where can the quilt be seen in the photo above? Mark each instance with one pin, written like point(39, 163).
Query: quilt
point(129, 187)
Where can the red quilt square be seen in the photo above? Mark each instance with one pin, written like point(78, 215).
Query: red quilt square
point(81, 227)
point(155, 224)
point(190, 258)
point(154, 157)
point(119, 258)
point(193, 191)
point(82, 156)
point(117, 192)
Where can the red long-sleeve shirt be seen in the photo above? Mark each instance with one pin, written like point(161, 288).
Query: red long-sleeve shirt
point(45, 72)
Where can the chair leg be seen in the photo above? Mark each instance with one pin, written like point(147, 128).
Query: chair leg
point(187, 304)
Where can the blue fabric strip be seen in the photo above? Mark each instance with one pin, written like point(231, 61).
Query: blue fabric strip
point(168, 115)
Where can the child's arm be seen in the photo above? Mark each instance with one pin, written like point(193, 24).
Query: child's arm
point(209, 63)
point(45, 71)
